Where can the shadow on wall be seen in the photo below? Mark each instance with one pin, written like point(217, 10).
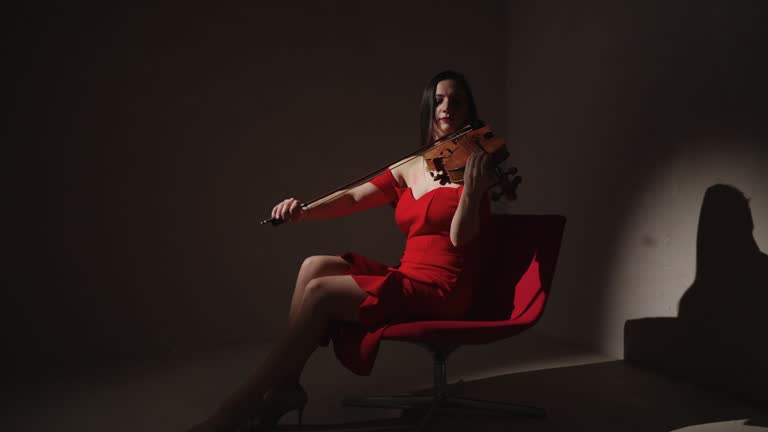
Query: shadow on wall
point(718, 338)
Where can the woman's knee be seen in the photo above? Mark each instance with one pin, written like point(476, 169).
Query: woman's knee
point(322, 265)
point(316, 292)
point(338, 296)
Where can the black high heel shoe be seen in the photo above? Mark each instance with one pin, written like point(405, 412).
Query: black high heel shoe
point(277, 403)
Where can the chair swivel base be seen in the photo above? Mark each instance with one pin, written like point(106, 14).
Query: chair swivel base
point(452, 404)
point(442, 398)
point(427, 406)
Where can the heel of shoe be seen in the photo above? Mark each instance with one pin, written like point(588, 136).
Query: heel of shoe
point(301, 414)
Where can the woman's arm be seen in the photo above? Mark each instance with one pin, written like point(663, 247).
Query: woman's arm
point(477, 180)
point(359, 198)
point(343, 203)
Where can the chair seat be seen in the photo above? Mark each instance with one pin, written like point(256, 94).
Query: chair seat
point(475, 332)
point(454, 332)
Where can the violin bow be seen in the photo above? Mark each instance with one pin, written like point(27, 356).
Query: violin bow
point(331, 195)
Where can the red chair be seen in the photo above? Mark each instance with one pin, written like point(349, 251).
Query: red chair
point(516, 261)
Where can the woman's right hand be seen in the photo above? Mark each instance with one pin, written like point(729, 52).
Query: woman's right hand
point(288, 210)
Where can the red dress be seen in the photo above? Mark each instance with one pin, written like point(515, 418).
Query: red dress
point(431, 281)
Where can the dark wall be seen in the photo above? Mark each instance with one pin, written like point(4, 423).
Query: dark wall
point(148, 144)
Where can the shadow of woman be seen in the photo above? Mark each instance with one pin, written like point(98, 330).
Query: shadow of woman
point(719, 338)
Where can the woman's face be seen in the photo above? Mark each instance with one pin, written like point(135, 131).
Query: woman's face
point(451, 108)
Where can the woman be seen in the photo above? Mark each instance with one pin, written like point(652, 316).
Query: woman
point(430, 283)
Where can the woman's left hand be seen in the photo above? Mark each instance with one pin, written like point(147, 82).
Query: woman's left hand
point(477, 174)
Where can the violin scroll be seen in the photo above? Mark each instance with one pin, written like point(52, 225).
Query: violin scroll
point(505, 187)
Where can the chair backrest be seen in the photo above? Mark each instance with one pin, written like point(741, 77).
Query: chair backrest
point(513, 264)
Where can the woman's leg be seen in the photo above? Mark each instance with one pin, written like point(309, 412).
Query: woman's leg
point(313, 268)
point(325, 298)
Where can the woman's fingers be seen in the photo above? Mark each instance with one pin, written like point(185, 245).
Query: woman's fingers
point(483, 164)
point(477, 165)
point(477, 172)
point(285, 209)
point(293, 209)
point(468, 167)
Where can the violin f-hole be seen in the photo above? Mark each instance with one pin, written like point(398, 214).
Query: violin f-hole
point(440, 173)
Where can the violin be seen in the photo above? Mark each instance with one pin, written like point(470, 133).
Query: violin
point(446, 158)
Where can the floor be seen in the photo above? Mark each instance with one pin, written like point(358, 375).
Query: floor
point(581, 391)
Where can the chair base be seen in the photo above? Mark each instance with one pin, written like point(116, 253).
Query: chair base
point(442, 398)
point(453, 404)
point(426, 407)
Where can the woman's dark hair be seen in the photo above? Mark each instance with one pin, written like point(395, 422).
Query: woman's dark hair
point(428, 102)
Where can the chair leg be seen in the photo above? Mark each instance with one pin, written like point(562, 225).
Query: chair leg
point(478, 406)
point(433, 408)
point(442, 399)
point(390, 402)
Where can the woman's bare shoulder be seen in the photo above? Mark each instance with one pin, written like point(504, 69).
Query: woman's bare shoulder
point(403, 170)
